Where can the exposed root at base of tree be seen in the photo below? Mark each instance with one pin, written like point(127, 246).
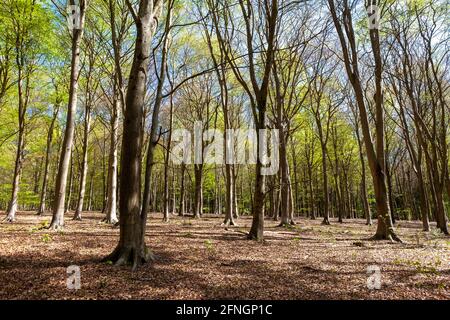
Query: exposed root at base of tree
point(326, 222)
point(55, 227)
point(110, 221)
point(77, 218)
point(9, 219)
point(122, 256)
point(228, 223)
point(288, 224)
point(253, 237)
point(391, 237)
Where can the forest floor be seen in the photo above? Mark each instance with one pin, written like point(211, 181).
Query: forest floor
point(198, 259)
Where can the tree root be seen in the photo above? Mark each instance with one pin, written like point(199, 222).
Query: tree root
point(110, 221)
point(55, 227)
point(391, 237)
point(284, 225)
point(326, 222)
point(124, 256)
point(9, 219)
point(229, 223)
point(251, 236)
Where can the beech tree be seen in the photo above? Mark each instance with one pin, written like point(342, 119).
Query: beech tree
point(343, 23)
point(131, 247)
point(66, 149)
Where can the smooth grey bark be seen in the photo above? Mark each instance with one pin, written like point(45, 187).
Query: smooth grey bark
point(154, 134)
point(375, 151)
point(131, 247)
point(48, 152)
point(84, 163)
point(166, 165)
point(182, 205)
point(66, 150)
point(111, 204)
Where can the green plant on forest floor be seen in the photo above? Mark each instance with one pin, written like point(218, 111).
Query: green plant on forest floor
point(419, 266)
point(43, 225)
point(209, 245)
point(46, 238)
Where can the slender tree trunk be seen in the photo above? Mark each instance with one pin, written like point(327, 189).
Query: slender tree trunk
point(84, 165)
point(182, 205)
point(285, 183)
point(13, 204)
point(364, 197)
point(23, 102)
point(326, 196)
point(198, 174)
point(61, 180)
point(154, 137)
point(166, 164)
point(43, 198)
point(111, 205)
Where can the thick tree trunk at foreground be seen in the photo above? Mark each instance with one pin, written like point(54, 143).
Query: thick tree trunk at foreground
point(131, 247)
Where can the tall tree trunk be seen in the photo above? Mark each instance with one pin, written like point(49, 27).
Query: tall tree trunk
point(23, 102)
point(286, 210)
point(13, 204)
point(66, 151)
point(131, 246)
point(84, 164)
point(68, 203)
point(111, 205)
point(198, 202)
point(326, 195)
point(154, 137)
point(364, 197)
point(182, 205)
point(375, 153)
point(166, 163)
point(43, 198)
